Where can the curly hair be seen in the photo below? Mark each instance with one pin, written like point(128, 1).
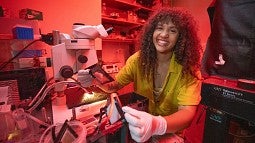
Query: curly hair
point(187, 49)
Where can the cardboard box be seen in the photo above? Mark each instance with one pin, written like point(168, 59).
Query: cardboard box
point(30, 14)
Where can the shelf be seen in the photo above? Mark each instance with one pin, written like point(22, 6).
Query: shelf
point(129, 14)
point(10, 37)
point(120, 21)
point(124, 5)
point(127, 18)
point(131, 41)
point(6, 36)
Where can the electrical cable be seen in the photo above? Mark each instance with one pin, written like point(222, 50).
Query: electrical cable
point(46, 91)
point(45, 132)
point(20, 52)
point(39, 93)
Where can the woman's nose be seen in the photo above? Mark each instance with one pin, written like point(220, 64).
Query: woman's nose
point(164, 33)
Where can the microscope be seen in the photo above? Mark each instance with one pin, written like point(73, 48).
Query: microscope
point(98, 113)
point(72, 55)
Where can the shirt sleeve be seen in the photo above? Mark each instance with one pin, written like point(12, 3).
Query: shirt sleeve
point(128, 71)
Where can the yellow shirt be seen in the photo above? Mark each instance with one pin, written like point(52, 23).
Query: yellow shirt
point(177, 89)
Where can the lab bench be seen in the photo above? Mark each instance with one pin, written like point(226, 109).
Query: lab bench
point(36, 132)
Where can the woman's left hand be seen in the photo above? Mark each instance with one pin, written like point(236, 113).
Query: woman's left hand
point(143, 125)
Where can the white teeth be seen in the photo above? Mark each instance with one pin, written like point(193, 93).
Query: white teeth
point(162, 43)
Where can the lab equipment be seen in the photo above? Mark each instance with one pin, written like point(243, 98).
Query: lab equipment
point(72, 55)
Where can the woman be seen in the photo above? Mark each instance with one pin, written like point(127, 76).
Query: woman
point(166, 71)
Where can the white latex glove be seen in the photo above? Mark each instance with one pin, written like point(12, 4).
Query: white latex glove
point(143, 125)
point(85, 78)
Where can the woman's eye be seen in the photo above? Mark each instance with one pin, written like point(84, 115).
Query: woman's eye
point(173, 31)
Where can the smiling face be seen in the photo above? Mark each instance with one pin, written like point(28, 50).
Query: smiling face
point(165, 37)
